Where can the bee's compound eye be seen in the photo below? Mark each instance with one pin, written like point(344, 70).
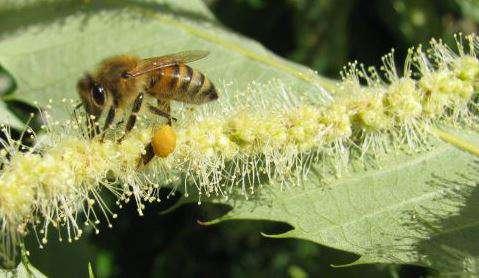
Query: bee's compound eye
point(163, 141)
point(98, 94)
point(211, 94)
point(125, 75)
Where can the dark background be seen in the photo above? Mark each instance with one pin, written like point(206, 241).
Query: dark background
point(324, 34)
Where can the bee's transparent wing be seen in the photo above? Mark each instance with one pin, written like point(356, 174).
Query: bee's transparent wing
point(155, 63)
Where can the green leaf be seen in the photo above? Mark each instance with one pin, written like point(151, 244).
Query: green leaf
point(398, 213)
point(8, 118)
point(402, 212)
point(48, 47)
point(470, 8)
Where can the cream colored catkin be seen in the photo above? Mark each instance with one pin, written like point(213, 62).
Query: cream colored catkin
point(237, 146)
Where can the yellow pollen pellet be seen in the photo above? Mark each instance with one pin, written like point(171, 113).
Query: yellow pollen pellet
point(163, 141)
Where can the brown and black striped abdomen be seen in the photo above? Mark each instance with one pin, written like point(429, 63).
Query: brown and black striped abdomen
point(182, 83)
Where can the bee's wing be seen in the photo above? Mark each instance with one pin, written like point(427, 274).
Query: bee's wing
point(155, 63)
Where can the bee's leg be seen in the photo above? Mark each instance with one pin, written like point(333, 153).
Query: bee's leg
point(77, 120)
point(163, 109)
point(134, 113)
point(91, 121)
point(108, 121)
point(92, 124)
point(159, 112)
point(119, 123)
point(147, 156)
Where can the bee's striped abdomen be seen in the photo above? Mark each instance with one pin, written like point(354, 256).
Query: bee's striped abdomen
point(187, 74)
point(182, 83)
point(196, 83)
point(174, 78)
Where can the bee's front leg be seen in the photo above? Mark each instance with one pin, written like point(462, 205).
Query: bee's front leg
point(110, 117)
point(92, 125)
point(134, 114)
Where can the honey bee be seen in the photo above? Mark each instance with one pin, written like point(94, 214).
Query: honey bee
point(123, 81)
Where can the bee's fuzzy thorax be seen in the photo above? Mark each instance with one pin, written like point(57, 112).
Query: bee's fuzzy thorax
point(111, 74)
point(267, 133)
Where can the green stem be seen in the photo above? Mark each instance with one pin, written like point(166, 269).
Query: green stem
point(456, 141)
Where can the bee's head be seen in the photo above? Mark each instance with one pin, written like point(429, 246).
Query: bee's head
point(208, 95)
point(92, 94)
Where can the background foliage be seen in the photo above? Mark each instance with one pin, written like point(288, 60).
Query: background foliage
point(322, 34)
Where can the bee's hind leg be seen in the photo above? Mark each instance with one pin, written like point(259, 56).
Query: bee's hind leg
point(157, 111)
point(163, 109)
point(147, 156)
point(134, 114)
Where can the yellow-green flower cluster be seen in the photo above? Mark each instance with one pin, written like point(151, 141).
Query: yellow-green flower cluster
point(229, 147)
point(55, 183)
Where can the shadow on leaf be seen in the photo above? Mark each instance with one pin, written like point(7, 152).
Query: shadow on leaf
point(445, 238)
point(44, 12)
